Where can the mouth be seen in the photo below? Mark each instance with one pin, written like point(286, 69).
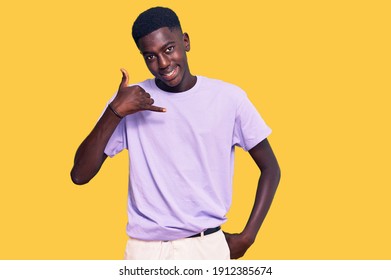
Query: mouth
point(171, 74)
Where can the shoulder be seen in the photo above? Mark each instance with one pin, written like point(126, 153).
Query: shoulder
point(221, 84)
point(223, 88)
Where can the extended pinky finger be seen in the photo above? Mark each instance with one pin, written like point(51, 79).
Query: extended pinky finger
point(155, 108)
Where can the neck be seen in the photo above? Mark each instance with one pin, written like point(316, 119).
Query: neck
point(184, 86)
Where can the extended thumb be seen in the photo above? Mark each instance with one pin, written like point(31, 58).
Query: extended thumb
point(125, 78)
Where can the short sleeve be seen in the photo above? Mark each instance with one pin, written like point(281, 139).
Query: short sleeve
point(117, 141)
point(249, 129)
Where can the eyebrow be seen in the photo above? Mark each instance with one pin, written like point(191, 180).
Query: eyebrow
point(163, 47)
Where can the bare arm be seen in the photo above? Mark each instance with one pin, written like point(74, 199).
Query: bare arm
point(263, 156)
point(90, 155)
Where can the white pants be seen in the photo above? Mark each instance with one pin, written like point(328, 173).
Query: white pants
point(209, 247)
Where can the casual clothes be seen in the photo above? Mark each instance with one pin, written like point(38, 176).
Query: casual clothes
point(181, 161)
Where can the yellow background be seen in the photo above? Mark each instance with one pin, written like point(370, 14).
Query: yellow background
point(318, 71)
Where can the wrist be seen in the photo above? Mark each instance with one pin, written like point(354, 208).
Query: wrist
point(248, 237)
point(114, 111)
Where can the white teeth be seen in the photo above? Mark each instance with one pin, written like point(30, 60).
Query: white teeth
point(170, 74)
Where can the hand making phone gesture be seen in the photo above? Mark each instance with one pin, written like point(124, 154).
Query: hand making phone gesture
point(90, 154)
point(132, 99)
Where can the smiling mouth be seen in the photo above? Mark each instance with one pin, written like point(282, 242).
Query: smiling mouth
point(171, 74)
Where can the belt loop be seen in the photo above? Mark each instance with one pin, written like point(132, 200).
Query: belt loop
point(202, 234)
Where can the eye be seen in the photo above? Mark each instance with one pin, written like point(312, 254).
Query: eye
point(170, 49)
point(149, 57)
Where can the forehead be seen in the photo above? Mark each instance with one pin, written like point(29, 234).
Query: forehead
point(158, 39)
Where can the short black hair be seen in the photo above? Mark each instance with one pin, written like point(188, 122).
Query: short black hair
point(153, 19)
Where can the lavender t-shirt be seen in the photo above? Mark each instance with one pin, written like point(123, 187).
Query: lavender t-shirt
point(181, 161)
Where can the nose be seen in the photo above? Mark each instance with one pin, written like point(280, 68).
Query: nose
point(164, 62)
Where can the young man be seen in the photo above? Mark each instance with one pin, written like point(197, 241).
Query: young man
point(180, 151)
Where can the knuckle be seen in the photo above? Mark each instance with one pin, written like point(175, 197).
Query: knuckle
point(137, 89)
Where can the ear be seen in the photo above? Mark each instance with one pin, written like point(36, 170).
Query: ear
point(186, 41)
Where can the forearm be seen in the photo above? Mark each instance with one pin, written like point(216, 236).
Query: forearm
point(267, 186)
point(90, 155)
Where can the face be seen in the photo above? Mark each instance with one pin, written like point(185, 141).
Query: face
point(164, 52)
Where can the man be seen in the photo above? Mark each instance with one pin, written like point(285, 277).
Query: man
point(180, 150)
